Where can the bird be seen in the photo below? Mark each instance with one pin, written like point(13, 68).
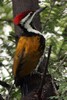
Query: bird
point(30, 47)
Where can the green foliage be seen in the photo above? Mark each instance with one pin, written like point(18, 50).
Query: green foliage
point(54, 27)
point(7, 46)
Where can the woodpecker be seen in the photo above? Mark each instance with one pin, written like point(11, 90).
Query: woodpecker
point(30, 46)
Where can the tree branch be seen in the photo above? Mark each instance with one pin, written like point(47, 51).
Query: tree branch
point(1, 98)
point(44, 73)
point(4, 84)
point(7, 20)
point(9, 94)
point(48, 17)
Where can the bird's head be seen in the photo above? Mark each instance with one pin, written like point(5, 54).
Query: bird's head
point(23, 17)
point(24, 20)
point(26, 16)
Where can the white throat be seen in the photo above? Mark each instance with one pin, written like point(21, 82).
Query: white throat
point(27, 24)
point(30, 29)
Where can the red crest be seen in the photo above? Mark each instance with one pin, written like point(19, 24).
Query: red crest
point(20, 16)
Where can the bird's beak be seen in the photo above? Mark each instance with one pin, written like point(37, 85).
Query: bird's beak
point(36, 12)
point(40, 10)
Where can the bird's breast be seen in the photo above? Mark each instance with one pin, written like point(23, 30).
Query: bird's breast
point(28, 53)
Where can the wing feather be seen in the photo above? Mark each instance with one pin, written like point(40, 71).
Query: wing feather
point(19, 55)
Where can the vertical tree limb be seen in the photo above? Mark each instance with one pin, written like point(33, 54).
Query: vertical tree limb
point(44, 74)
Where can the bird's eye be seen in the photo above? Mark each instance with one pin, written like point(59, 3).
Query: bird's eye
point(23, 21)
point(31, 13)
